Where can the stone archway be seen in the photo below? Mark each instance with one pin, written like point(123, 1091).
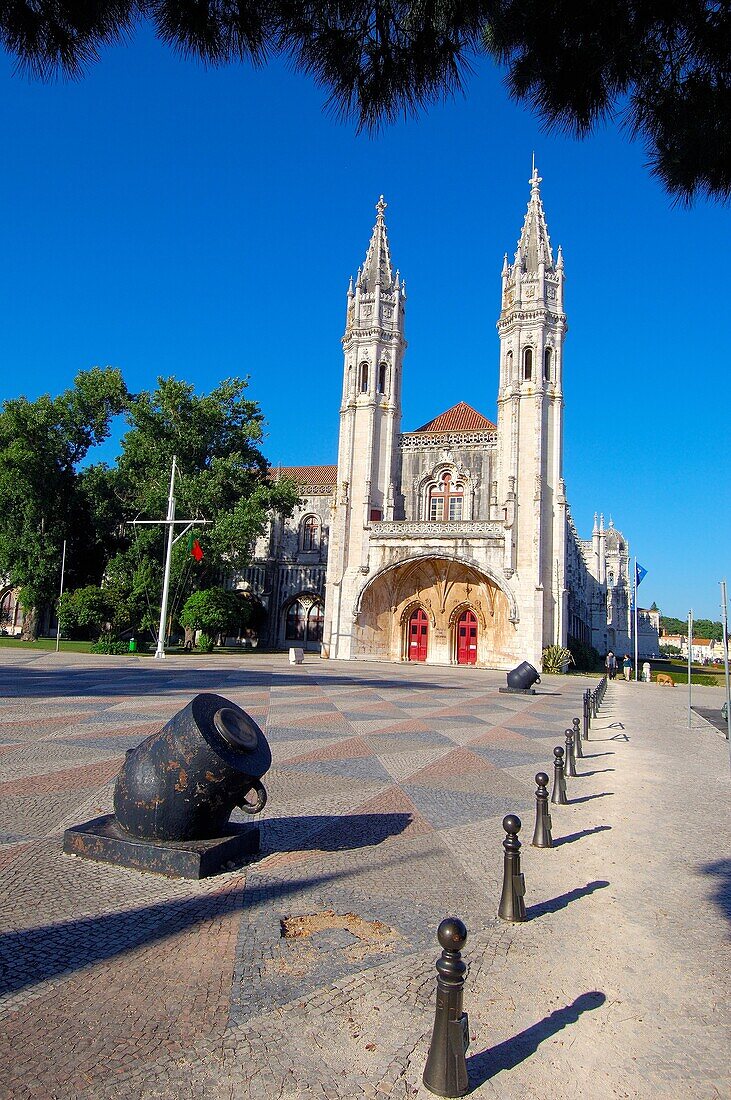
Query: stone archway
point(442, 587)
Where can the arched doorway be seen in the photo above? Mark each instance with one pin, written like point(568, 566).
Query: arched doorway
point(467, 638)
point(418, 635)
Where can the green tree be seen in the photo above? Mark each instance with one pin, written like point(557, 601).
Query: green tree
point(43, 496)
point(216, 611)
point(702, 628)
point(88, 611)
point(223, 477)
point(662, 67)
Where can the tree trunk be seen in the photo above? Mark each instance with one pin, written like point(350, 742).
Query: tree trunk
point(29, 632)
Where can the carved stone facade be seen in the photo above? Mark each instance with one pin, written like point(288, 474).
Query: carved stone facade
point(452, 543)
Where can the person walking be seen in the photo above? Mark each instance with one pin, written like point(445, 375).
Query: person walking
point(610, 664)
point(627, 667)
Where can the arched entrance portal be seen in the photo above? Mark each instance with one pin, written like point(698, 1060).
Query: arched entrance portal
point(467, 638)
point(418, 635)
point(416, 609)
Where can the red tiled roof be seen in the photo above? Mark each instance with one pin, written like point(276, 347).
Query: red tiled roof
point(460, 418)
point(318, 477)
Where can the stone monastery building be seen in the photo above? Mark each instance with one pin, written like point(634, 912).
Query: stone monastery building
point(453, 543)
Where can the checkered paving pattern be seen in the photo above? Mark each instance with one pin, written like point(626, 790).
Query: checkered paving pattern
point(386, 795)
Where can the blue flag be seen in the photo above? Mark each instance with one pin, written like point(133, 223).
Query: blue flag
point(640, 575)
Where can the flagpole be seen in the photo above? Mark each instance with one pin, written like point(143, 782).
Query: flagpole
point(160, 651)
point(690, 660)
point(60, 595)
point(724, 620)
point(637, 659)
point(171, 523)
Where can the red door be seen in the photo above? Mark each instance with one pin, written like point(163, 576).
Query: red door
point(467, 638)
point(418, 635)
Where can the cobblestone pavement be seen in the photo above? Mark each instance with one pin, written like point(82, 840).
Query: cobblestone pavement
point(386, 796)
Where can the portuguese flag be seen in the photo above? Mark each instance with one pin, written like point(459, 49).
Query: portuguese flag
point(195, 548)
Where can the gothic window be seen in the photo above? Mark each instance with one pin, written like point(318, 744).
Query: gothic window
point(527, 364)
point(364, 378)
point(446, 500)
point(382, 374)
point(6, 609)
point(509, 367)
point(296, 623)
point(310, 533)
point(314, 623)
point(547, 364)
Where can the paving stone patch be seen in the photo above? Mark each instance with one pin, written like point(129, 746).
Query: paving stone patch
point(387, 792)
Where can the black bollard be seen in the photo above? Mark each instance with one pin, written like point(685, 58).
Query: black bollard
point(558, 794)
point(542, 834)
point(586, 715)
point(445, 1072)
point(569, 757)
point(512, 905)
point(576, 722)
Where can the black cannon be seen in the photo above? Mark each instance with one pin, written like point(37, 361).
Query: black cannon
point(523, 677)
point(176, 791)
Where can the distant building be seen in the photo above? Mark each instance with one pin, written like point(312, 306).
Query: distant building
point(451, 543)
point(703, 649)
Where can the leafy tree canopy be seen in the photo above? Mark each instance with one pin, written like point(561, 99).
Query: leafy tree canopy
point(702, 628)
point(662, 67)
point(217, 611)
point(89, 610)
point(223, 477)
point(114, 569)
point(42, 443)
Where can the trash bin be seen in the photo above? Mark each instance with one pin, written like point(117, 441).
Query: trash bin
point(133, 645)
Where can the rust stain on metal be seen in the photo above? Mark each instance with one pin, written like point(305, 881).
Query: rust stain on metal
point(182, 781)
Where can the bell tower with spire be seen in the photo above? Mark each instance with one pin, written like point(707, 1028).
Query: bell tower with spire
point(531, 497)
point(368, 480)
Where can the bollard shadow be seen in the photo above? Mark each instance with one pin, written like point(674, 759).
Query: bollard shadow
point(511, 1052)
point(554, 905)
point(597, 771)
point(589, 798)
point(572, 837)
point(720, 869)
point(595, 755)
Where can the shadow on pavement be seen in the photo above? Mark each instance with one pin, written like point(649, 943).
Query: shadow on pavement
point(589, 798)
point(557, 841)
point(511, 1052)
point(34, 955)
point(595, 755)
point(597, 771)
point(553, 905)
point(20, 682)
point(330, 832)
point(721, 870)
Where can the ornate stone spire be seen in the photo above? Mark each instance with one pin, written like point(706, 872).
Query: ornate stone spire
point(377, 266)
point(534, 246)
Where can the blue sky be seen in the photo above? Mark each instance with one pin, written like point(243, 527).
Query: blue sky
point(168, 219)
